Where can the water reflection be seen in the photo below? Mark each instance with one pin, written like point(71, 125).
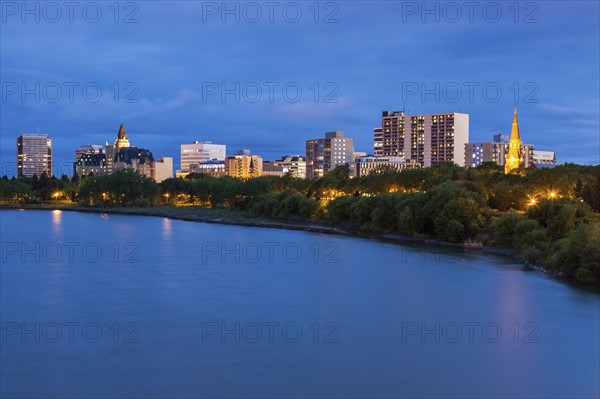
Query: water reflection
point(151, 272)
point(166, 227)
point(57, 220)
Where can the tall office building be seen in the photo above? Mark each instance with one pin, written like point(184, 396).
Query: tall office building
point(34, 154)
point(325, 154)
point(428, 138)
point(200, 151)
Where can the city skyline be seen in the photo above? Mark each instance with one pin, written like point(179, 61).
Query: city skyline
point(63, 168)
point(358, 72)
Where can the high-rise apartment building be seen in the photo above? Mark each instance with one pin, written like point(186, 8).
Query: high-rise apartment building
point(325, 154)
point(428, 138)
point(200, 151)
point(244, 165)
point(34, 154)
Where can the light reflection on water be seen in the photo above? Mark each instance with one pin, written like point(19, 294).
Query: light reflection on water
point(170, 289)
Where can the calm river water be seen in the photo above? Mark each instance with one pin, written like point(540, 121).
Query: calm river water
point(126, 306)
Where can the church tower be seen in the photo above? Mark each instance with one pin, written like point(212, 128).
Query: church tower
point(122, 141)
point(514, 158)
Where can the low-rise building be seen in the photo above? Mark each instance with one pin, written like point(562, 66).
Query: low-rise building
point(544, 159)
point(372, 164)
point(211, 168)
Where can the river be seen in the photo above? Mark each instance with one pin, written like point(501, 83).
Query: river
point(133, 306)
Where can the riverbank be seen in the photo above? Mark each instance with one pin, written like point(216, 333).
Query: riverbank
point(237, 218)
point(191, 214)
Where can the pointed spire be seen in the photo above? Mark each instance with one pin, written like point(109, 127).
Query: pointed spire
point(514, 156)
point(122, 141)
point(514, 133)
point(121, 135)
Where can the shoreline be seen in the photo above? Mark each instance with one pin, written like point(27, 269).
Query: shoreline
point(231, 218)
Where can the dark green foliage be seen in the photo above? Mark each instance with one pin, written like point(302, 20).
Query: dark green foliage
point(122, 188)
point(287, 204)
point(548, 216)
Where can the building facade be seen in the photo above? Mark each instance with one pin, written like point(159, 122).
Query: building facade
point(163, 169)
point(325, 154)
point(117, 156)
point(244, 165)
point(428, 138)
point(544, 159)
point(270, 168)
point(34, 155)
point(91, 163)
point(290, 165)
point(371, 164)
point(201, 151)
point(211, 168)
point(478, 153)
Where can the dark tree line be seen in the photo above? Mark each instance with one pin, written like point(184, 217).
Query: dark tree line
point(550, 216)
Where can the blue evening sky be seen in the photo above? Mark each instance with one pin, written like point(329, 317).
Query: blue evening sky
point(350, 60)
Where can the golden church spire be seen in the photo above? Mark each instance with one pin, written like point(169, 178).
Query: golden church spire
point(514, 157)
point(122, 140)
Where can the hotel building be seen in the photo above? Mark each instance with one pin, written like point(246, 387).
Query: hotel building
point(428, 138)
point(118, 156)
point(34, 155)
